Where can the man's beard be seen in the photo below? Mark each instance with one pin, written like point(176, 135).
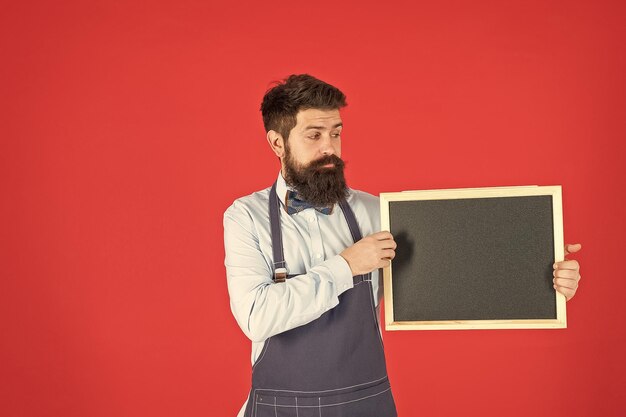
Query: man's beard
point(315, 184)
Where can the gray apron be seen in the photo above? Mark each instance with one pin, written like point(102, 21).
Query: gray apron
point(333, 366)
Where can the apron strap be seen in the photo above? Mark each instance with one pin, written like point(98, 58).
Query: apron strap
point(355, 231)
point(351, 219)
point(280, 268)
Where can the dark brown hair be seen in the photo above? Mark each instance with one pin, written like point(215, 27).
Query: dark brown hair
point(282, 102)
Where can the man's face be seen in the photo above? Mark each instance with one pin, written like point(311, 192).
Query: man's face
point(317, 134)
point(311, 163)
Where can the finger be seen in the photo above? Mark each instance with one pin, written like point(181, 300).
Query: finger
point(388, 254)
point(387, 244)
point(382, 235)
point(565, 273)
point(567, 292)
point(565, 283)
point(383, 263)
point(573, 264)
point(572, 248)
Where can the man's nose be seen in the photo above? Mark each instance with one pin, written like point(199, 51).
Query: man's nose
point(326, 146)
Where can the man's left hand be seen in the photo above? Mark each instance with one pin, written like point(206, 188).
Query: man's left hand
point(567, 273)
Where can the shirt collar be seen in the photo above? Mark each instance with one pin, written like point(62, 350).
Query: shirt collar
point(281, 188)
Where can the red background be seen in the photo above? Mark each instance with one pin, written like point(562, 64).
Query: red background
point(128, 127)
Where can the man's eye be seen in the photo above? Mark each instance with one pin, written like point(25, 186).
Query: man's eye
point(315, 135)
point(336, 135)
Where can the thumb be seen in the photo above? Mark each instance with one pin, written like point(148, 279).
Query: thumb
point(572, 248)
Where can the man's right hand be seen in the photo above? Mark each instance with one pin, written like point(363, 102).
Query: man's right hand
point(370, 253)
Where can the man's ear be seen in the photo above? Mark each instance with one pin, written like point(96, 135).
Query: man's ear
point(277, 143)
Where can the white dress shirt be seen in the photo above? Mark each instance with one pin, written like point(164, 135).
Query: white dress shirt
point(312, 242)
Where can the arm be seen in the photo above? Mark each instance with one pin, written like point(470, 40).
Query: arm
point(261, 307)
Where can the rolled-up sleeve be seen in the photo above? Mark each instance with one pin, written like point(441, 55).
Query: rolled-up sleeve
point(263, 308)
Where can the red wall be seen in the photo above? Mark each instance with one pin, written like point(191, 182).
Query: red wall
point(128, 127)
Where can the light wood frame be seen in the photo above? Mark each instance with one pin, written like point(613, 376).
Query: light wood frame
point(465, 193)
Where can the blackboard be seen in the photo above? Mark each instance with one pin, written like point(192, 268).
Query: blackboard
point(474, 258)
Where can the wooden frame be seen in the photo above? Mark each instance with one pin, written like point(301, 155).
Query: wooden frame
point(471, 193)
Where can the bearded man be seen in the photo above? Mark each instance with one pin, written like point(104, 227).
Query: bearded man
point(304, 283)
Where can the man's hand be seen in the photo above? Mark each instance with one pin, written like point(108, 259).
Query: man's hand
point(567, 273)
point(370, 253)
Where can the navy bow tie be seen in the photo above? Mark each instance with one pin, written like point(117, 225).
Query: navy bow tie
point(295, 204)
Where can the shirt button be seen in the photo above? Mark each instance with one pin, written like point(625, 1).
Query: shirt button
point(311, 219)
point(318, 255)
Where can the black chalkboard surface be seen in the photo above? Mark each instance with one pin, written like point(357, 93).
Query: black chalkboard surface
point(474, 258)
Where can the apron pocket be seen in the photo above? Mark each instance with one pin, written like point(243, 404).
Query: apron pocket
point(374, 401)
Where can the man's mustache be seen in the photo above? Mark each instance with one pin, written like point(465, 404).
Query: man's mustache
point(325, 160)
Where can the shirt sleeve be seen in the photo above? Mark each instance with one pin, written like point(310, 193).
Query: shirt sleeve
point(263, 308)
